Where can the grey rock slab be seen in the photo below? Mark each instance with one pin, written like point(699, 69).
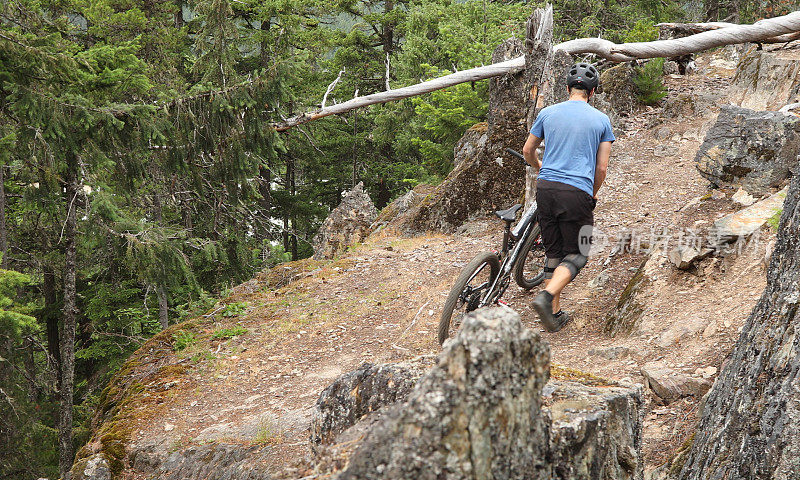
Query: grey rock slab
point(755, 150)
point(358, 393)
point(670, 385)
point(595, 432)
point(748, 220)
point(346, 225)
point(96, 467)
point(683, 257)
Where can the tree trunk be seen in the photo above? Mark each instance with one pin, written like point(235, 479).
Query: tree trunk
point(68, 325)
point(750, 426)
point(163, 307)
point(51, 319)
point(265, 189)
point(293, 192)
point(3, 231)
point(287, 185)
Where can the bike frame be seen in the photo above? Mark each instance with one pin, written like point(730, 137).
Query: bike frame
point(501, 282)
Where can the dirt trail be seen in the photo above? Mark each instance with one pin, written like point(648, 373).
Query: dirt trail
point(381, 302)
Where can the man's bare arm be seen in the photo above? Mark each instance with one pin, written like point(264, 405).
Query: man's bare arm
point(603, 153)
point(529, 151)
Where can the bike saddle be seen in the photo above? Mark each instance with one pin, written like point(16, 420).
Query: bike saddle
point(509, 214)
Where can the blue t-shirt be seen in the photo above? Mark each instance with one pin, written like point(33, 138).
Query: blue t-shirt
point(572, 131)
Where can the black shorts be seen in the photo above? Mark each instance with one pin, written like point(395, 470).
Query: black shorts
point(566, 218)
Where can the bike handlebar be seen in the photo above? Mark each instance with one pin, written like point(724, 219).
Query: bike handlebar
point(515, 153)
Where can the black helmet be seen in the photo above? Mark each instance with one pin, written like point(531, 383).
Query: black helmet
point(583, 75)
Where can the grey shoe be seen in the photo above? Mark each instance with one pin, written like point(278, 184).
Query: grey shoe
point(561, 319)
point(543, 304)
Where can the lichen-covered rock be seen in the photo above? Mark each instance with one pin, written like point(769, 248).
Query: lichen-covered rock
point(750, 426)
point(754, 150)
point(95, 467)
point(214, 461)
point(347, 224)
point(595, 432)
point(767, 80)
point(359, 393)
point(473, 141)
point(618, 90)
point(475, 415)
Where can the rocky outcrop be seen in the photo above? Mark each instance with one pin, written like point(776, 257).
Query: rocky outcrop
point(485, 412)
point(618, 91)
point(474, 141)
point(595, 432)
point(476, 414)
point(393, 214)
point(746, 221)
point(347, 224)
point(214, 461)
point(754, 150)
point(359, 393)
point(95, 467)
point(624, 318)
point(767, 80)
point(750, 426)
point(729, 233)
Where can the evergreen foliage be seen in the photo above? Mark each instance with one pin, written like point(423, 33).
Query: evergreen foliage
point(141, 177)
point(649, 82)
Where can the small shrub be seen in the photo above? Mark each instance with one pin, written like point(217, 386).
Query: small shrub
point(649, 83)
point(234, 309)
point(224, 333)
point(182, 339)
point(268, 433)
point(775, 220)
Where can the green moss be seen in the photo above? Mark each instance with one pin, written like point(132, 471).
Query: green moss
point(775, 220)
point(626, 308)
point(677, 462)
point(558, 372)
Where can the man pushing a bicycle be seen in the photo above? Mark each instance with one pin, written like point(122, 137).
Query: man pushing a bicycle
point(578, 139)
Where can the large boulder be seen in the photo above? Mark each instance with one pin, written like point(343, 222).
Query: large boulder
point(754, 150)
point(475, 415)
point(618, 92)
point(484, 411)
point(750, 425)
point(767, 80)
point(347, 224)
point(358, 393)
point(595, 432)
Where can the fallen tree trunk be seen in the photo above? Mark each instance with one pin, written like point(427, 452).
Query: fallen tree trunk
point(480, 73)
point(686, 29)
point(758, 32)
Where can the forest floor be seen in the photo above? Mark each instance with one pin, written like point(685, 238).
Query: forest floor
point(381, 301)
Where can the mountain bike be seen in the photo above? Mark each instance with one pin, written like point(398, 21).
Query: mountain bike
point(484, 280)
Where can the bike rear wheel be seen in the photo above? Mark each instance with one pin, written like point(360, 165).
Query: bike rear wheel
point(529, 269)
point(468, 291)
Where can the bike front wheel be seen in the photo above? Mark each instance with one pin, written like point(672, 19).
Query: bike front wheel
point(529, 269)
point(470, 288)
